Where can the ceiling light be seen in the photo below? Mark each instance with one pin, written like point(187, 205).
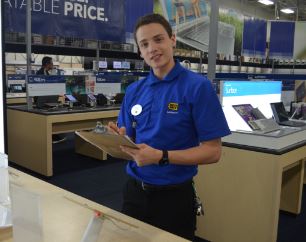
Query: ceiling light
point(287, 10)
point(266, 2)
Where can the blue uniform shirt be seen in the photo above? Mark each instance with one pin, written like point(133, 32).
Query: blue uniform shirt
point(178, 113)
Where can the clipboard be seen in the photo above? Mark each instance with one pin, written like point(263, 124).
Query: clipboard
point(108, 142)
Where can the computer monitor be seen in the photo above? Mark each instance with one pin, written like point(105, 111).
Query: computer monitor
point(117, 65)
point(103, 64)
point(126, 65)
point(75, 85)
point(15, 81)
point(16, 88)
point(139, 65)
point(257, 93)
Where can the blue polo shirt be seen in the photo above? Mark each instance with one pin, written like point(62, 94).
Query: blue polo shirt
point(178, 113)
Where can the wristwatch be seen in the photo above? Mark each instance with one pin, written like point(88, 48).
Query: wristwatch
point(164, 160)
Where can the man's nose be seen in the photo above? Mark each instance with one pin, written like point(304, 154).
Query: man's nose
point(152, 47)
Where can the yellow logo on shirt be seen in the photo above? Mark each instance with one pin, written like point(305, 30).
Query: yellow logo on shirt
point(173, 106)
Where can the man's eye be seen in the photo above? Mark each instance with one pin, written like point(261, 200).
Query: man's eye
point(144, 45)
point(158, 40)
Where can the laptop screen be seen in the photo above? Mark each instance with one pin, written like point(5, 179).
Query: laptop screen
point(245, 111)
point(279, 112)
point(181, 12)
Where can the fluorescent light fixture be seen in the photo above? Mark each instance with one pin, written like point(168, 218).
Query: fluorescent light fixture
point(266, 2)
point(287, 10)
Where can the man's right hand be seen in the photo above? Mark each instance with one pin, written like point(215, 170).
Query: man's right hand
point(112, 127)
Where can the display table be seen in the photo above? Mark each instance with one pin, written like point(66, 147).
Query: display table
point(244, 191)
point(64, 220)
point(16, 98)
point(30, 132)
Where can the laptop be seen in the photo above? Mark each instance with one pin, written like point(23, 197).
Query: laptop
point(245, 112)
point(282, 117)
point(50, 101)
point(191, 25)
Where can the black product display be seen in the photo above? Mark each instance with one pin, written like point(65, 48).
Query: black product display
point(300, 92)
point(119, 98)
point(282, 117)
point(46, 101)
point(16, 88)
point(303, 108)
point(101, 100)
point(82, 99)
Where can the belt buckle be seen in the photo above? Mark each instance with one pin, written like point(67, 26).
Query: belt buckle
point(143, 186)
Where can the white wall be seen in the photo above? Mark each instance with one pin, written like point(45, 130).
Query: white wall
point(1, 91)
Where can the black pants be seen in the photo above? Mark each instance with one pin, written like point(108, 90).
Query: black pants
point(169, 209)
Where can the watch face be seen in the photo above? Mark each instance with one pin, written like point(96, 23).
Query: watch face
point(164, 160)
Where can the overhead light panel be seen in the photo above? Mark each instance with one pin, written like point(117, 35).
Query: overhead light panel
point(266, 2)
point(287, 10)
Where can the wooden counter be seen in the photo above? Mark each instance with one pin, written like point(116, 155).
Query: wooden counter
point(66, 221)
point(30, 134)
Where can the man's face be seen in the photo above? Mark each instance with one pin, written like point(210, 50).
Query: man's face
point(156, 47)
point(49, 66)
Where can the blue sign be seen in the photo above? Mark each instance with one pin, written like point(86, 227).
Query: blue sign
point(109, 77)
point(39, 79)
point(281, 39)
point(88, 19)
point(245, 88)
point(254, 37)
point(16, 77)
point(133, 12)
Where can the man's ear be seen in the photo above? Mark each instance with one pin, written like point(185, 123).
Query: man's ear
point(173, 38)
point(139, 53)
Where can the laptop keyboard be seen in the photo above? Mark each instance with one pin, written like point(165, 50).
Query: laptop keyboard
point(293, 123)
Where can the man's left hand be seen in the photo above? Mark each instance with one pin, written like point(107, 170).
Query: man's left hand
point(145, 155)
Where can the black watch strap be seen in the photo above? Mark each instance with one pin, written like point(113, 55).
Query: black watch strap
point(165, 159)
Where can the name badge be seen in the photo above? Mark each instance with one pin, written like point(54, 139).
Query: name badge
point(136, 110)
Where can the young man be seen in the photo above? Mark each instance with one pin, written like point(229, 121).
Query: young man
point(46, 66)
point(176, 119)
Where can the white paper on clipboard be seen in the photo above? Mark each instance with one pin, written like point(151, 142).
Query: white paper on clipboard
point(109, 143)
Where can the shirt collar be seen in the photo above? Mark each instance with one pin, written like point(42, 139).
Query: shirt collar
point(175, 71)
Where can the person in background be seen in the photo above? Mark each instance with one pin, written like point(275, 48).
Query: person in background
point(175, 118)
point(179, 11)
point(46, 66)
point(196, 8)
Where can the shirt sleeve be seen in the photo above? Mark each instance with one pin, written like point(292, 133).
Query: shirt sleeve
point(207, 113)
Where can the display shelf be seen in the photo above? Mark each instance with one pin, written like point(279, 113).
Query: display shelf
point(277, 142)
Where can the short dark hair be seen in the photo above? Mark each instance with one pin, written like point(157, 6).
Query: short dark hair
point(152, 18)
point(46, 60)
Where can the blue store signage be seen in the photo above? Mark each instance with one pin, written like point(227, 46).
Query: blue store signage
point(88, 19)
point(40, 79)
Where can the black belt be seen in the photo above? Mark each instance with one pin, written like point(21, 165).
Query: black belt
point(151, 187)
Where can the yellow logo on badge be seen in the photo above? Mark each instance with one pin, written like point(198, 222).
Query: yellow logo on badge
point(173, 106)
